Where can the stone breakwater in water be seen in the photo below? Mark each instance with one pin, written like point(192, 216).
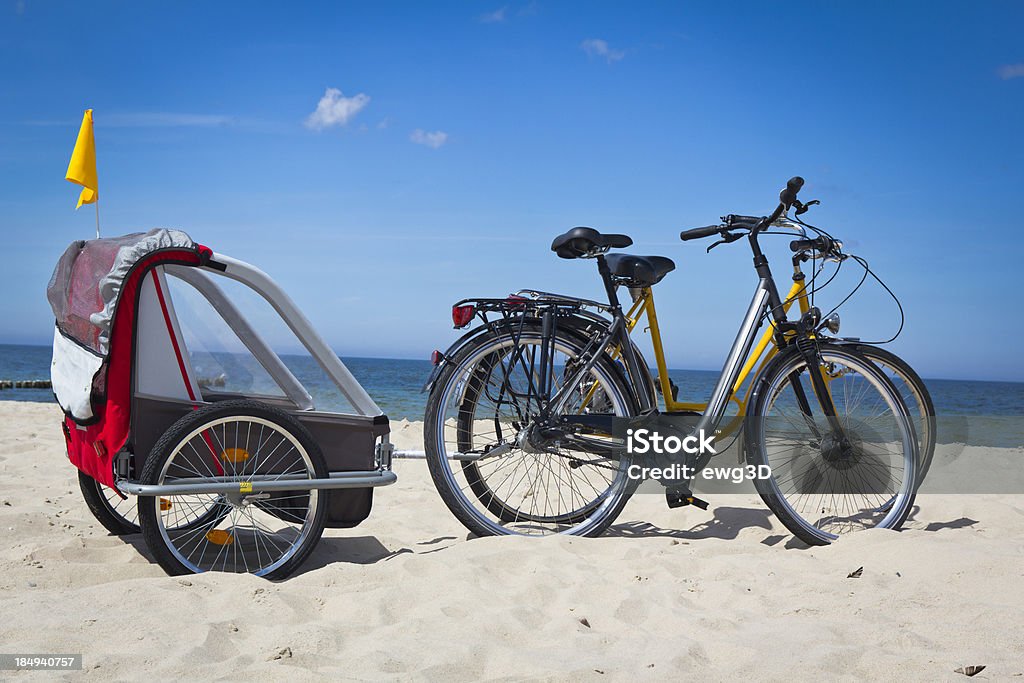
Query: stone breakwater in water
point(25, 384)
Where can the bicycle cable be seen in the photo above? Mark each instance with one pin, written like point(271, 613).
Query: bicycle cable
point(867, 271)
point(809, 287)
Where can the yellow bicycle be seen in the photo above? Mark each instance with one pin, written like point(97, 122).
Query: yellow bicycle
point(912, 388)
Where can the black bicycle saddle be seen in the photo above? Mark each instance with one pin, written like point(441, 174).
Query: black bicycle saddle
point(581, 241)
point(639, 271)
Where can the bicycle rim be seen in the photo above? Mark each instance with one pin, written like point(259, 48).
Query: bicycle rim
point(251, 534)
point(824, 489)
point(486, 403)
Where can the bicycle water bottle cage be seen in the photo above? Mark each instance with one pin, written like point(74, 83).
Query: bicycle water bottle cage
point(584, 242)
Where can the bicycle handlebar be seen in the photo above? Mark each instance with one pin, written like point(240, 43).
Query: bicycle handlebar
point(826, 246)
point(822, 244)
point(788, 196)
point(743, 222)
point(786, 199)
point(699, 233)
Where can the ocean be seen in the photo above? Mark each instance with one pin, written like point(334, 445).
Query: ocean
point(975, 412)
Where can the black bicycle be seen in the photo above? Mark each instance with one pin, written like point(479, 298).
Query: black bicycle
point(520, 430)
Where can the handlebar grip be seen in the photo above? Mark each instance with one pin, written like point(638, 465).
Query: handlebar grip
point(698, 233)
point(821, 244)
point(748, 222)
point(788, 196)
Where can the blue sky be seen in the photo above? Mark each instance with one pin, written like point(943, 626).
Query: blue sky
point(455, 140)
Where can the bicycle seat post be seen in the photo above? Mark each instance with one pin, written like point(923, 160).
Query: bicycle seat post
point(609, 284)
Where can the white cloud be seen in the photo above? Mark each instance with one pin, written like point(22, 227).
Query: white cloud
point(595, 47)
point(432, 140)
point(334, 109)
point(1008, 71)
point(494, 17)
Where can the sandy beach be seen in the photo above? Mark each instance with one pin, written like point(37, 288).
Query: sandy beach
point(718, 594)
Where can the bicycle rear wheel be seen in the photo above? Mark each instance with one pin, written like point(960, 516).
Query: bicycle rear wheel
point(495, 477)
point(824, 481)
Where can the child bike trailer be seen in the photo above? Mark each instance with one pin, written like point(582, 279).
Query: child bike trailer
point(230, 474)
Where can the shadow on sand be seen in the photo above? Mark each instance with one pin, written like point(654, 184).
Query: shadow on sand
point(960, 523)
point(726, 523)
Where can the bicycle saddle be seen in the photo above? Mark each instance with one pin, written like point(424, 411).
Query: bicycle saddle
point(639, 271)
point(580, 242)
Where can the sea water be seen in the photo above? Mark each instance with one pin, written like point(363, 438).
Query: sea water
point(975, 412)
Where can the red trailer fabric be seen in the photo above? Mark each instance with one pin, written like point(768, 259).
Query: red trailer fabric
point(80, 294)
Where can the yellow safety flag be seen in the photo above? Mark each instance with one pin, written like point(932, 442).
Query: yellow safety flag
point(82, 167)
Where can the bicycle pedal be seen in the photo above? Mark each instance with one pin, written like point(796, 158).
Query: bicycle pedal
point(678, 499)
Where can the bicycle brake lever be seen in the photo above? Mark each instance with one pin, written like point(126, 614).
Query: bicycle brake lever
point(802, 208)
point(727, 237)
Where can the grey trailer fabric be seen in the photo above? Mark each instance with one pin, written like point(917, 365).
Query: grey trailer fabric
point(84, 288)
point(83, 292)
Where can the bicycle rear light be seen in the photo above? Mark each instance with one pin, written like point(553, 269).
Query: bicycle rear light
point(436, 357)
point(461, 315)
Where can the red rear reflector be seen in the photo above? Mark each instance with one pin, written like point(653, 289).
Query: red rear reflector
point(461, 315)
point(435, 358)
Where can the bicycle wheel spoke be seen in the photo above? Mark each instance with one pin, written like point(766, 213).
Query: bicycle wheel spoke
point(828, 481)
point(534, 487)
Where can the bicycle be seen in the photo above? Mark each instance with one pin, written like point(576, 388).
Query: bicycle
point(526, 403)
point(912, 388)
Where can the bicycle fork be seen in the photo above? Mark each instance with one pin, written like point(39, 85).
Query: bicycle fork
point(815, 363)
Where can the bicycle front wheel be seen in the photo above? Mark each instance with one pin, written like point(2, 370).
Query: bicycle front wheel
point(490, 471)
point(915, 395)
point(829, 477)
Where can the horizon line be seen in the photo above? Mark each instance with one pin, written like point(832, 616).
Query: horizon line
point(427, 360)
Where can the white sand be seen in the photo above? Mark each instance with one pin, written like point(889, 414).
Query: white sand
point(716, 594)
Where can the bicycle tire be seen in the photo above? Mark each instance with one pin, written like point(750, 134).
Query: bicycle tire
point(768, 388)
point(591, 519)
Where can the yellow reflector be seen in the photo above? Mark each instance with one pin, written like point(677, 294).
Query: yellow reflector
point(220, 537)
point(165, 505)
point(235, 455)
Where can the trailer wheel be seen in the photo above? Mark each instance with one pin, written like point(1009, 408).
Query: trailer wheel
point(266, 534)
point(118, 515)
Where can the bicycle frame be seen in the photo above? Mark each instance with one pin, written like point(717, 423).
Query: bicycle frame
point(742, 357)
point(617, 335)
point(643, 305)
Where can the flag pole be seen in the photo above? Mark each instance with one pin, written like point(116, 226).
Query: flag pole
point(97, 217)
